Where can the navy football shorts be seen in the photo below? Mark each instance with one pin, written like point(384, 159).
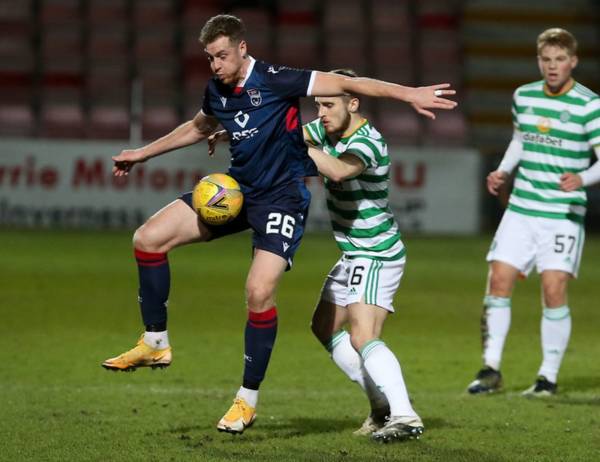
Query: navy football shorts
point(276, 218)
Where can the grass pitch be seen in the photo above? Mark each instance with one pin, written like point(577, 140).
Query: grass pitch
point(68, 301)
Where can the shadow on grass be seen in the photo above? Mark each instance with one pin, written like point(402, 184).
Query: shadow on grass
point(265, 447)
point(267, 429)
point(580, 383)
point(435, 423)
point(271, 439)
point(298, 426)
point(575, 391)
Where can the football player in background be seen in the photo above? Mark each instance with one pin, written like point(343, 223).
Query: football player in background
point(556, 128)
point(258, 105)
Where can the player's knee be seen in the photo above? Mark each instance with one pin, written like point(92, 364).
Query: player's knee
point(500, 285)
point(554, 296)
point(146, 239)
point(554, 290)
point(259, 297)
point(359, 338)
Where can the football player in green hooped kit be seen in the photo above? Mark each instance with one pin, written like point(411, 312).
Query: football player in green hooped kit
point(556, 128)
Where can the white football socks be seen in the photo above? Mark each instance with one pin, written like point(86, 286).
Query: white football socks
point(158, 340)
point(497, 322)
point(556, 331)
point(351, 364)
point(383, 367)
point(248, 395)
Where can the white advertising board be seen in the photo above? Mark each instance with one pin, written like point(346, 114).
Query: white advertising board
point(70, 184)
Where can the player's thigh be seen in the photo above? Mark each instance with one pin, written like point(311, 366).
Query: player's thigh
point(554, 288)
point(374, 282)
point(560, 246)
point(263, 278)
point(174, 225)
point(328, 318)
point(278, 221)
point(514, 242)
point(335, 287)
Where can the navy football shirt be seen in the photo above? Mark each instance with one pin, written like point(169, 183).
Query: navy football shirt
point(262, 118)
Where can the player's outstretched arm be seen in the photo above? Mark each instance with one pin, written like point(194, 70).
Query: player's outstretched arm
point(336, 168)
point(421, 98)
point(190, 132)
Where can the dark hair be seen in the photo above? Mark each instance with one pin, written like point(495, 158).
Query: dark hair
point(347, 72)
point(223, 25)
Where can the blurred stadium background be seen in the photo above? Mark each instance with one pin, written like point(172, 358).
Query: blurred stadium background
point(80, 80)
point(123, 71)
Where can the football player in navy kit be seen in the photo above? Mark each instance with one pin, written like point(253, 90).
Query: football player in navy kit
point(258, 105)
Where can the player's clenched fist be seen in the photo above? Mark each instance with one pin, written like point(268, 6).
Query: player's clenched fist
point(495, 180)
point(570, 182)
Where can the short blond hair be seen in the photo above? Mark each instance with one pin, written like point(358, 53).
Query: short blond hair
point(557, 37)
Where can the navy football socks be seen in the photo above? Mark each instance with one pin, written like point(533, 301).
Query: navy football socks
point(155, 282)
point(261, 330)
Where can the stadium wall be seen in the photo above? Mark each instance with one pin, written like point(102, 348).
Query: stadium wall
point(67, 184)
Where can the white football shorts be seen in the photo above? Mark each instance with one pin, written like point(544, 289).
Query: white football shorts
point(550, 244)
point(354, 280)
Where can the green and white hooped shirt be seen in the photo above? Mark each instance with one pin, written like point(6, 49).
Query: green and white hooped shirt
point(362, 221)
point(559, 134)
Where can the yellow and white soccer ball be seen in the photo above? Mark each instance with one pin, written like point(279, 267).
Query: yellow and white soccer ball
point(217, 199)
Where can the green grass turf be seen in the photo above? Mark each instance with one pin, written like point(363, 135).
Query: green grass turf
point(68, 301)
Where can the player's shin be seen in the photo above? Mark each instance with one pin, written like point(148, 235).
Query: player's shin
point(495, 323)
point(556, 331)
point(260, 334)
point(349, 361)
point(383, 367)
point(154, 286)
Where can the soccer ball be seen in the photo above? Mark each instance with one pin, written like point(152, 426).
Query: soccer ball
point(217, 199)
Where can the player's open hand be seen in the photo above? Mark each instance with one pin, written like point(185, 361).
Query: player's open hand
point(495, 180)
point(431, 97)
point(125, 161)
point(214, 139)
point(570, 182)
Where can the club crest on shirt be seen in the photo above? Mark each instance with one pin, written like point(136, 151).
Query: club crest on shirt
point(565, 116)
point(255, 98)
point(223, 101)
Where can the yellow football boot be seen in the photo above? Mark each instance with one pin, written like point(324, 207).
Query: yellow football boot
point(141, 355)
point(239, 417)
